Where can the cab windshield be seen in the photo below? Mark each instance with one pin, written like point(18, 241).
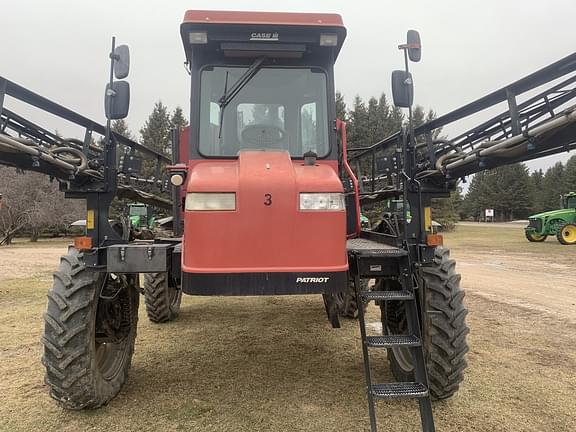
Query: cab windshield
point(277, 109)
point(571, 202)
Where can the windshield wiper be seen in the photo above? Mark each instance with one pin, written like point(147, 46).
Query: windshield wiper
point(228, 95)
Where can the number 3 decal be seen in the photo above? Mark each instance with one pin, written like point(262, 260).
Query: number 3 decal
point(267, 199)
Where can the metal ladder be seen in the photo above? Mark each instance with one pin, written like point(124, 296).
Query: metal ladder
point(413, 340)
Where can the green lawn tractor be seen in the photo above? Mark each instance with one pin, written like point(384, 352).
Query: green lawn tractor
point(561, 223)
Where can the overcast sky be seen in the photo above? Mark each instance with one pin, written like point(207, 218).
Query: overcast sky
point(59, 48)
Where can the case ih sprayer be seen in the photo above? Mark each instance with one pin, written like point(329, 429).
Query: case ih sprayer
point(267, 200)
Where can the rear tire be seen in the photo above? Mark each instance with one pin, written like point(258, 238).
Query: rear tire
point(162, 297)
point(88, 340)
point(445, 329)
point(566, 235)
point(534, 237)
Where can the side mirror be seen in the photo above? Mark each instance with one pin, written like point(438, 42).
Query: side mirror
point(117, 100)
point(414, 45)
point(402, 89)
point(121, 61)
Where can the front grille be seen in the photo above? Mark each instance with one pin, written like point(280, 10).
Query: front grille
point(536, 224)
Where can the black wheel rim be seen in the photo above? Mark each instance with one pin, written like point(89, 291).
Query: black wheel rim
point(110, 358)
point(112, 334)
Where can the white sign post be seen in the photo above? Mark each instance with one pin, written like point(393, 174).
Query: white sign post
point(489, 213)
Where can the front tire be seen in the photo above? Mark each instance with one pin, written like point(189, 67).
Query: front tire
point(445, 328)
point(162, 297)
point(89, 334)
point(534, 237)
point(566, 235)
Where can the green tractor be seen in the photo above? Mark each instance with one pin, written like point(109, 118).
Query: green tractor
point(561, 223)
point(141, 216)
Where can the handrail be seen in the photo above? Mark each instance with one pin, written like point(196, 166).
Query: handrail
point(341, 127)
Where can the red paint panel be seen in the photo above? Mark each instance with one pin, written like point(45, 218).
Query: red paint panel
point(257, 237)
point(280, 18)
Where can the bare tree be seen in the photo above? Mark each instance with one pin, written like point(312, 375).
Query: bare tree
point(31, 202)
point(15, 212)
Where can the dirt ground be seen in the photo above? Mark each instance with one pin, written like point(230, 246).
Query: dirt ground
point(274, 364)
point(499, 264)
point(24, 259)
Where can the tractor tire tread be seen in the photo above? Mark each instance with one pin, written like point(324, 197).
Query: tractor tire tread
point(532, 239)
point(67, 358)
point(159, 308)
point(448, 329)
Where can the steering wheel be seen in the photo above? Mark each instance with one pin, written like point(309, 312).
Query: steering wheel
point(262, 135)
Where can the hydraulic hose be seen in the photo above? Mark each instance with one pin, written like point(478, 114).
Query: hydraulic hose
point(506, 148)
point(58, 156)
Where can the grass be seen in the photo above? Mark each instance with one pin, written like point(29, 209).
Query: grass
point(509, 240)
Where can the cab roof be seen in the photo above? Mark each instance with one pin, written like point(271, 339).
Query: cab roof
point(272, 18)
point(268, 30)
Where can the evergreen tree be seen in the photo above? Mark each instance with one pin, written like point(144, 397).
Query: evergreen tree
point(514, 199)
point(480, 195)
point(385, 128)
point(446, 211)
point(341, 110)
point(374, 122)
point(429, 117)
point(156, 131)
point(570, 175)
point(121, 128)
point(156, 134)
point(537, 180)
point(358, 124)
point(418, 116)
point(396, 119)
point(506, 189)
point(553, 186)
point(178, 121)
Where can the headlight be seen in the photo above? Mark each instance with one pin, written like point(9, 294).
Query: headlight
point(211, 201)
point(177, 179)
point(322, 201)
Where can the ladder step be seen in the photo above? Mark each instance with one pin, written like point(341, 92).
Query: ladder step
point(392, 340)
point(399, 390)
point(387, 295)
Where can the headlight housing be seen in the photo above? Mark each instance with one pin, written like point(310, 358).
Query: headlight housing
point(211, 201)
point(322, 201)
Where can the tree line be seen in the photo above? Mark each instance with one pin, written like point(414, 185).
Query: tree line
point(32, 203)
point(515, 193)
point(368, 123)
